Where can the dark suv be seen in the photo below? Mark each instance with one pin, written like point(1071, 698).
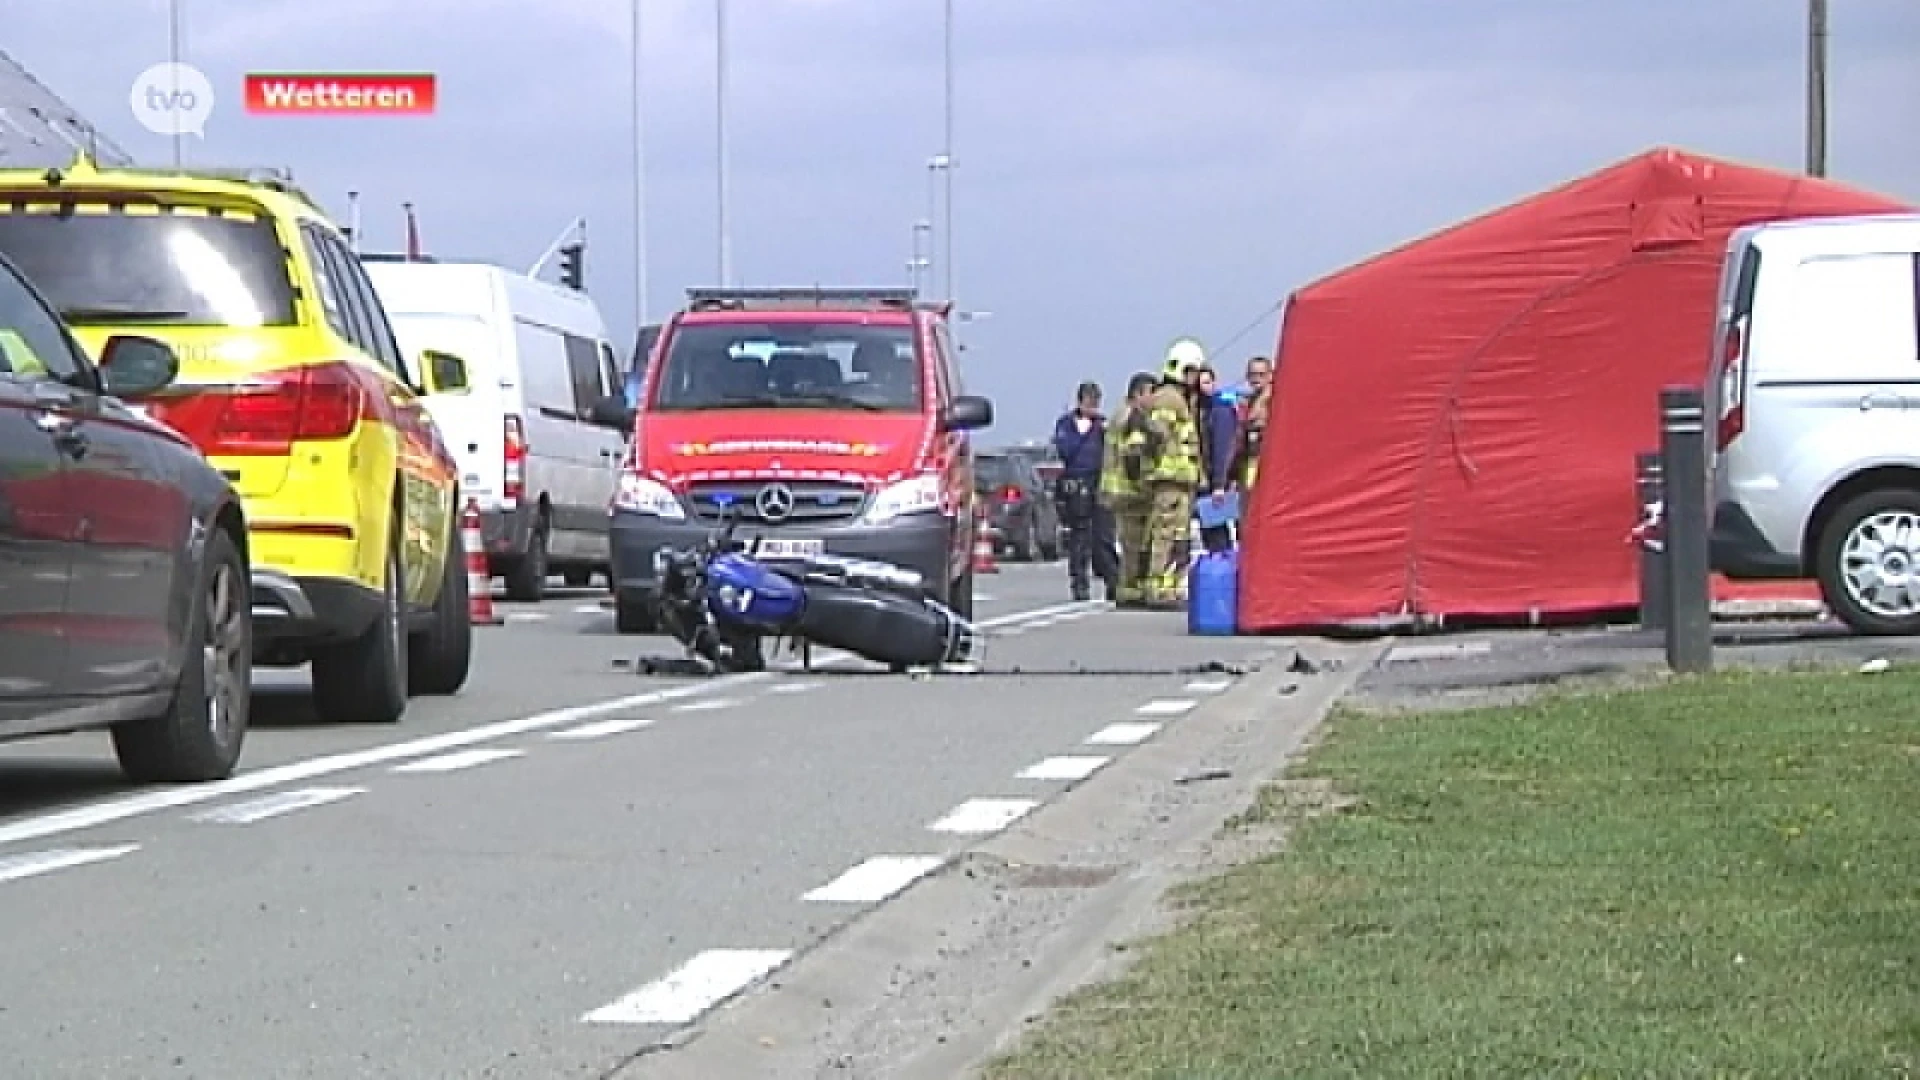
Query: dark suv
point(1020, 506)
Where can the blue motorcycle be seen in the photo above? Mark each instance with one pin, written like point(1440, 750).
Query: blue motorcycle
point(724, 603)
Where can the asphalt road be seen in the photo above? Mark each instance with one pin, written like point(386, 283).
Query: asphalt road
point(556, 868)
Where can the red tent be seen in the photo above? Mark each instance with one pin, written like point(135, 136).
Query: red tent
point(1455, 421)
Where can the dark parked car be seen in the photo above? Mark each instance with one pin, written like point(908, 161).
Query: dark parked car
point(124, 597)
point(1019, 506)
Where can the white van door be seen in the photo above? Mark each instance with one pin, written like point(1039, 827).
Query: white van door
point(566, 457)
point(471, 421)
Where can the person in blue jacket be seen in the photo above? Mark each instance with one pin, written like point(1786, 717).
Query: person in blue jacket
point(1219, 423)
point(1080, 438)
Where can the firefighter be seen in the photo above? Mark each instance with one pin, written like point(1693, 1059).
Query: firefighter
point(1172, 475)
point(1122, 474)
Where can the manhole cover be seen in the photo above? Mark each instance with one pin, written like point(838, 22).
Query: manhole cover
point(1063, 877)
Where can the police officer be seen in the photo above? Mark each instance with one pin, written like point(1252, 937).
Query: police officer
point(1080, 438)
point(1122, 491)
point(1172, 475)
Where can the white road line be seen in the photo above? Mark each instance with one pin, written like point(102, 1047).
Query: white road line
point(15, 867)
point(1208, 686)
point(1125, 733)
point(794, 688)
point(707, 705)
point(1063, 768)
point(527, 616)
point(976, 816)
point(696, 986)
point(108, 811)
point(150, 802)
point(984, 598)
point(1166, 707)
point(588, 609)
point(285, 802)
point(876, 879)
point(459, 759)
point(619, 725)
point(1037, 613)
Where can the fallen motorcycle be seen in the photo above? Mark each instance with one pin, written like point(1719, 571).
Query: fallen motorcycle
point(724, 604)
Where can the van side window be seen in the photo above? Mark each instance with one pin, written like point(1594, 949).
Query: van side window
point(583, 370)
point(1859, 310)
point(609, 369)
point(1916, 305)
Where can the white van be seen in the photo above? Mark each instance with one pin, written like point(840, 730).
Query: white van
point(1816, 386)
point(538, 358)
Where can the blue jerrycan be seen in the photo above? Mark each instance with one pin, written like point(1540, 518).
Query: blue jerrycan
point(1213, 594)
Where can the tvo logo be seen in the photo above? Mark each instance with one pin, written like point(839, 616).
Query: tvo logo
point(172, 99)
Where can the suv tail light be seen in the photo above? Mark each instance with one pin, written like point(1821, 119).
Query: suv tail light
point(1011, 494)
point(514, 483)
point(267, 414)
point(1733, 384)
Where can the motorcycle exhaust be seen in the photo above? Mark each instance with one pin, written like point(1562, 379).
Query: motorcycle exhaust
point(888, 628)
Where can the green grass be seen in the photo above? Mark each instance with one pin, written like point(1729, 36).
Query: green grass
point(1712, 878)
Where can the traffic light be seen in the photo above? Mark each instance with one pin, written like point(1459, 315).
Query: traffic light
point(573, 272)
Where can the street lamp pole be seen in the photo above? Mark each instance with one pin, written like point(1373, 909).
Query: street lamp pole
point(918, 263)
point(936, 165)
point(639, 178)
point(720, 130)
point(173, 57)
point(1816, 87)
point(946, 150)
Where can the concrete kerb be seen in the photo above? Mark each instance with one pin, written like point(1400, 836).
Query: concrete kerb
point(823, 1013)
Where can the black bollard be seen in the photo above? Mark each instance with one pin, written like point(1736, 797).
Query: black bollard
point(1653, 560)
point(1683, 474)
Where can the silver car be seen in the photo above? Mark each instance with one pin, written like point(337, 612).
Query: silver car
point(1816, 387)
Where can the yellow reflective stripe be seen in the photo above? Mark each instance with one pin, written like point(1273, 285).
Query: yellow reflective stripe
point(132, 209)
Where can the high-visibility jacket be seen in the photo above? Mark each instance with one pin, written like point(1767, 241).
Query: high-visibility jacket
point(1117, 485)
point(1175, 460)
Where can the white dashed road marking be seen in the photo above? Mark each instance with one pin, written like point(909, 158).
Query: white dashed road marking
point(696, 986)
point(980, 816)
point(706, 706)
point(527, 616)
point(876, 879)
point(16, 867)
point(1063, 768)
point(129, 806)
point(108, 811)
point(588, 609)
point(1208, 686)
point(1166, 707)
point(459, 759)
point(285, 802)
point(600, 728)
point(1126, 733)
point(794, 688)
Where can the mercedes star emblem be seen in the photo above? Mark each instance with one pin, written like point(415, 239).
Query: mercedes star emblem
point(774, 502)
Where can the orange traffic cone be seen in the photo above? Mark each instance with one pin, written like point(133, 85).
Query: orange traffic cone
point(983, 560)
point(479, 580)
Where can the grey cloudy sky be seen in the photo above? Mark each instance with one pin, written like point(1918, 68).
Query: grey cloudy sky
point(1130, 170)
